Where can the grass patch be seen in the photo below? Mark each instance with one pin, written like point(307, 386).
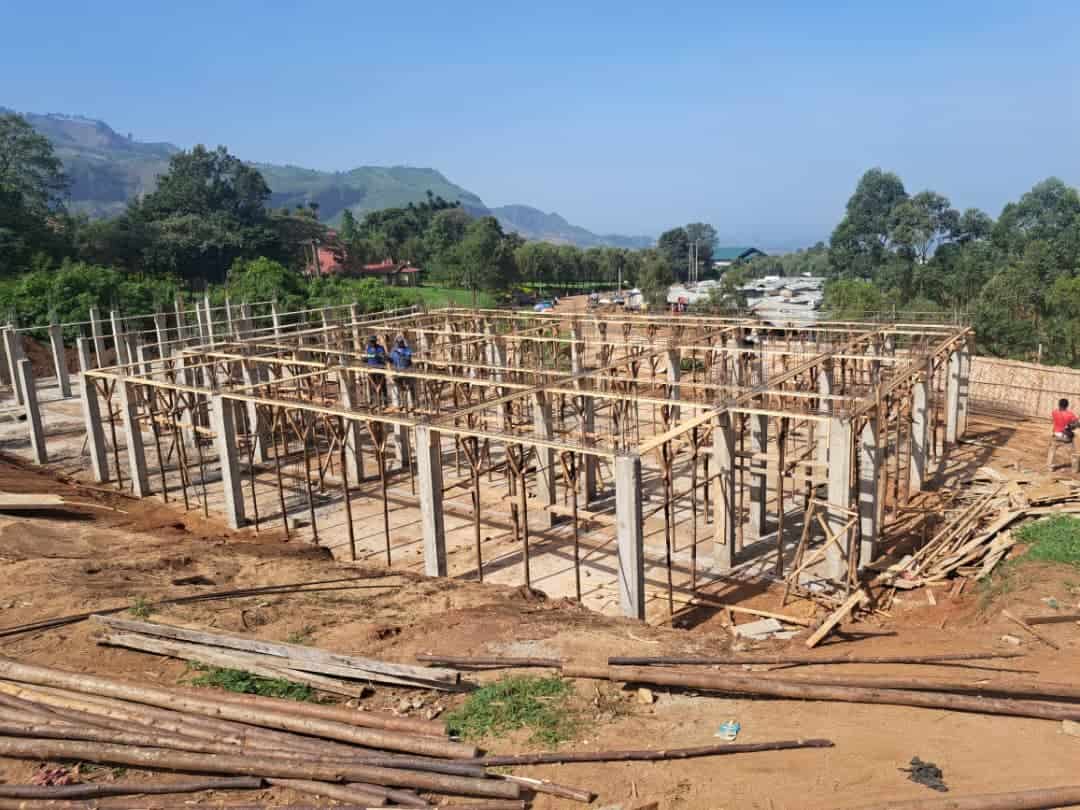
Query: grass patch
point(237, 680)
point(1055, 539)
point(140, 608)
point(509, 704)
point(441, 296)
point(301, 636)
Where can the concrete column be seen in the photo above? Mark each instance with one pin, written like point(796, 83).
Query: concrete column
point(99, 338)
point(963, 389)
point(223, 423)
point(325, 313)
point(260, 433)
point(5, 367)
point(208, 319)
point(920, 413)
point(140, 480)
point(576, 350)
point(869, 469)
point(181, 332)
point(674, 372)
point(354, 320)
point(56, 343)
point(95, 432)
point(354, 457)
point(229, 326)
point(630, 537)
point(952, 399)
point(13, 344)
point(430, 485)
point(119, 339)
point(589, 463)
point(161, 333)
point(245, 324)
point(545, 475)
point(839, 492)
point(402, 443)
point(825, 389)
point(759, 444)
point(275, 318)
point(33, 412)
point(725, 518)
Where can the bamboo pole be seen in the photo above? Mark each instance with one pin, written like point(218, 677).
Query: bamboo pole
point(102, 789)
point(806, 660)
point(376, 738)
point(755, 685)
point(165, 759)
point(646, 755)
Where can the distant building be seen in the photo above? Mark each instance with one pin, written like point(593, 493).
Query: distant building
point(727, 256)
point(330, 258)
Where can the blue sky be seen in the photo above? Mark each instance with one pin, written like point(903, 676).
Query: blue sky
point(623, 117)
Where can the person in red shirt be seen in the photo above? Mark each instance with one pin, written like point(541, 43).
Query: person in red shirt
point(1064, 423)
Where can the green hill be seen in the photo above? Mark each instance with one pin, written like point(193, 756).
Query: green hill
point(108, 169)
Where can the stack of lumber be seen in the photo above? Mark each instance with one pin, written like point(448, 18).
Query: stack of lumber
point(363, 758)
point(970, 544)
point(328, 672)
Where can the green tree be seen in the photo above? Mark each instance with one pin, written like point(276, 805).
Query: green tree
point(704, 236)
point(860, 242)
point(673, 246)
point(655, 277)
point(487, 256)
point(263, 279)
point(32, 189)
point(349, 230)
point(920, 223)
point(851, 299)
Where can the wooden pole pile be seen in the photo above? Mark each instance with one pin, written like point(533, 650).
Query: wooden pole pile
point(365, 759)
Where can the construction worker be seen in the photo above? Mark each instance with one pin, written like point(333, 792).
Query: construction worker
point(375, 357)
point(1065, 422)
point(401, 360)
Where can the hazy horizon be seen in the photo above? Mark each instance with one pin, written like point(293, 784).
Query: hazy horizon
point(623, 118)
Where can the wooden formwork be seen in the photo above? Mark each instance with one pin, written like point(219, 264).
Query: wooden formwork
point(819, 421)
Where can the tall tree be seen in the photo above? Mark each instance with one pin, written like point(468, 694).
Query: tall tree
point(919, 224)
point(673, 245)
point(862, 239)
point(703, 236)
point(32, 187)
point(487, 256)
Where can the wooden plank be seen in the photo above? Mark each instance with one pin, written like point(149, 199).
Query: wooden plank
point(299, 656)
point(837, 616)
point(1030, 629)
point(30, 501)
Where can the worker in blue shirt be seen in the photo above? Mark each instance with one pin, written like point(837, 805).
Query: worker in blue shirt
point(401, 359)
point(375, 357)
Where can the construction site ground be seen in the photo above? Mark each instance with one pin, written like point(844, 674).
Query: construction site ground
point(123, 550)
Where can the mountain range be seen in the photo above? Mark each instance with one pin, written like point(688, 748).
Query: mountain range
point(108, 169)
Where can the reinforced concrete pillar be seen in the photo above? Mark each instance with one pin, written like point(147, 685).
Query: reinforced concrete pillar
point(674, 371)
point(275, 319)
point(13, 345)
point(223, 423)
point(161, 333)
point(870, 456)
point(545, 456)
point(839, 493)
point(430, 484)
point(630, 537)
point(759, 445)
point(725, 516)
point(952, 399)
point(920, 413)
point(119, 339)
point(403, 444)
point(99, 338)
point(354, 457)
point(963, 389)
point(136, 453)
point(825, 389)
point(229, 326)
point(56, 343)
point(95, 432)
point(576, 351)
point(589, 462)
point(33, 412)
point(260, 433)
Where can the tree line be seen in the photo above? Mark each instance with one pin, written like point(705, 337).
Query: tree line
point(1016, 278)
point(207, 227)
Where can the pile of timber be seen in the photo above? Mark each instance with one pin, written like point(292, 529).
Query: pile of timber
point(326, 671)
point(248, 742)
